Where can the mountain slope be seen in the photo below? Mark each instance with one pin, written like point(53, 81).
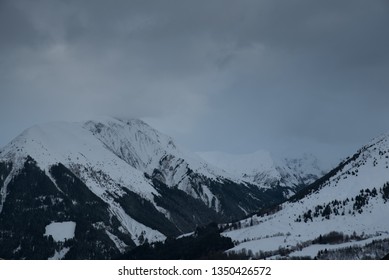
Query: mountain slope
point(346, 206)
point(143, 185)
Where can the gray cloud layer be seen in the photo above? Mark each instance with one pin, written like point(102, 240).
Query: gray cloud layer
point(220, 74)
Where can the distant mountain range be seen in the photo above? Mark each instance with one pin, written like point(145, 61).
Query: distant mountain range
point(97, 189)
point(269, 172)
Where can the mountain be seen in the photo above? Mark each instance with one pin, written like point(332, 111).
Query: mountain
point(93, 189)
point(289, 175)
point(344, 210)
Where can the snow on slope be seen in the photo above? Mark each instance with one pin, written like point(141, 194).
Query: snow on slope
point(70, 144)
point(313, 250)
point(351, 208)
point(3, 191)
point(73, 146)
point(266, 170)
point(146, 149)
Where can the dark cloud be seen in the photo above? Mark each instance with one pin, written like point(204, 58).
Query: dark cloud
point(222, 74)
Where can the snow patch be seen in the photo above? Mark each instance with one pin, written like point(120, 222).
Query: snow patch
point(61, 231)
point(60, 255)
point(4, 189)
point(135, 228)
point(118, 243)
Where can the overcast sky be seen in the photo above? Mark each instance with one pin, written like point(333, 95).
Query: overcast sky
point(234, 76)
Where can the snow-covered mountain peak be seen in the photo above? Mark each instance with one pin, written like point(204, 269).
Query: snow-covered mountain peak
point(241, 164)
point(134, 141)
point(106, 139)
point(267, 170)
point(306, 164)
point(37, 140)
point(147, 149)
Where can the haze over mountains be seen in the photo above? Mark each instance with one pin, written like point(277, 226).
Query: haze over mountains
point(95, 189)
